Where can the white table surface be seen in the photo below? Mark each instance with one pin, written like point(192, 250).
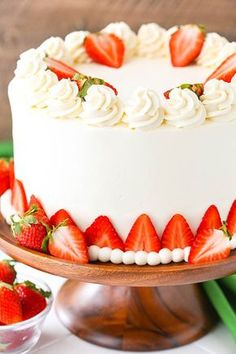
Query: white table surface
point(57, 339)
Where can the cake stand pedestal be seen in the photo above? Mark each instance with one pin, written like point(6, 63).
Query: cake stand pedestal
point(129, 307)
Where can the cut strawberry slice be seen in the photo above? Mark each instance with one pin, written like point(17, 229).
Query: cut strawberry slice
point(11, 173)
point(231, 219)
point(62, 216)
point(186, 44)
point(4, 176)
point(143, 236)
point(68, 242)
point(62, 70)
point(103, 234)
point(211, 220)
point(39, 212)
point(18, 198)
point(177, 233)
point(105, 48)
point(225, 70)
point(209, 245)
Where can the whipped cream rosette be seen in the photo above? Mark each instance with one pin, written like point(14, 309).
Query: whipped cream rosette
point(213, 45)
point(29, 64)
point(74, 43)
point(55, 47)
point(143, 110)
point(228, 49)
point(124, 32)
point(38, 87)
point(184, 109)
point(152, 41)
point(219, 99)
point(63, 101)
point(101, 107)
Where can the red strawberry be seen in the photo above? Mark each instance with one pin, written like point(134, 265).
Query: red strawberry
point(143, 236)
point(4, 176)
point(231, 219)
point(105, 48)
point(33, 300)
point(7, 271)
point(208, 246)
point(18, 198)
point(62, 216)
point(186, 44)
point(29, 231)
point(68, 242)
point(103, 234)
point(10, 305)
point(37, 210)
point(211, 220)
point(64, 71)
point(11, 173)
point(226, 70)
point(177, 233)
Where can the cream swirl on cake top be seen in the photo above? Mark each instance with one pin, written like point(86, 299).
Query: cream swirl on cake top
point(74, 43)
point(152, 41)
point(101, 107)
point(143, 110)
point(228, 49)
point(219, 99)
point(124, 32)
point(63, 101)
point(184, 109)
point(29, 64)
point(55, 48)
point(38, 87)
point(213, 44)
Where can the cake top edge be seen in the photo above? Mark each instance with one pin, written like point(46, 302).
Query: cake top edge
point(48, 83)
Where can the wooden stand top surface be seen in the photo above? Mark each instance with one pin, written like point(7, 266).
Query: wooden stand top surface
point(112, 274)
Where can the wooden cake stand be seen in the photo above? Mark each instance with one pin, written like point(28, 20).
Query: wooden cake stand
point(129, 307)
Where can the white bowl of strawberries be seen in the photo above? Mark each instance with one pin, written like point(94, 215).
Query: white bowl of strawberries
point(24, 305)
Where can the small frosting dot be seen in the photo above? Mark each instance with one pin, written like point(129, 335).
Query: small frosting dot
point(165, 255)
point(128, 257)
point(116, 256)
point(93, 253)
point(104, 254)
point(186, 253)
point(141, 258)
point(177, 255)
point(153, 258)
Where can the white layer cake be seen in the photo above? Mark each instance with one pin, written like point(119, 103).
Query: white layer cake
point(122, 172)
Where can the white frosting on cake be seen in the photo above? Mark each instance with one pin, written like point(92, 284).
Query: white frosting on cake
point(63, 100)
point(184, 109)
point(144, 110)
point(219, 99)
point(101, 107)
point(152, 41)
point(74, 43)
point(213, 45)
point(55, 47)
point(30, 64)
point(124, 32)
point(123, 173)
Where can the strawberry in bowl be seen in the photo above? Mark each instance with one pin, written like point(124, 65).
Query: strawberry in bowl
point(24, 305)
